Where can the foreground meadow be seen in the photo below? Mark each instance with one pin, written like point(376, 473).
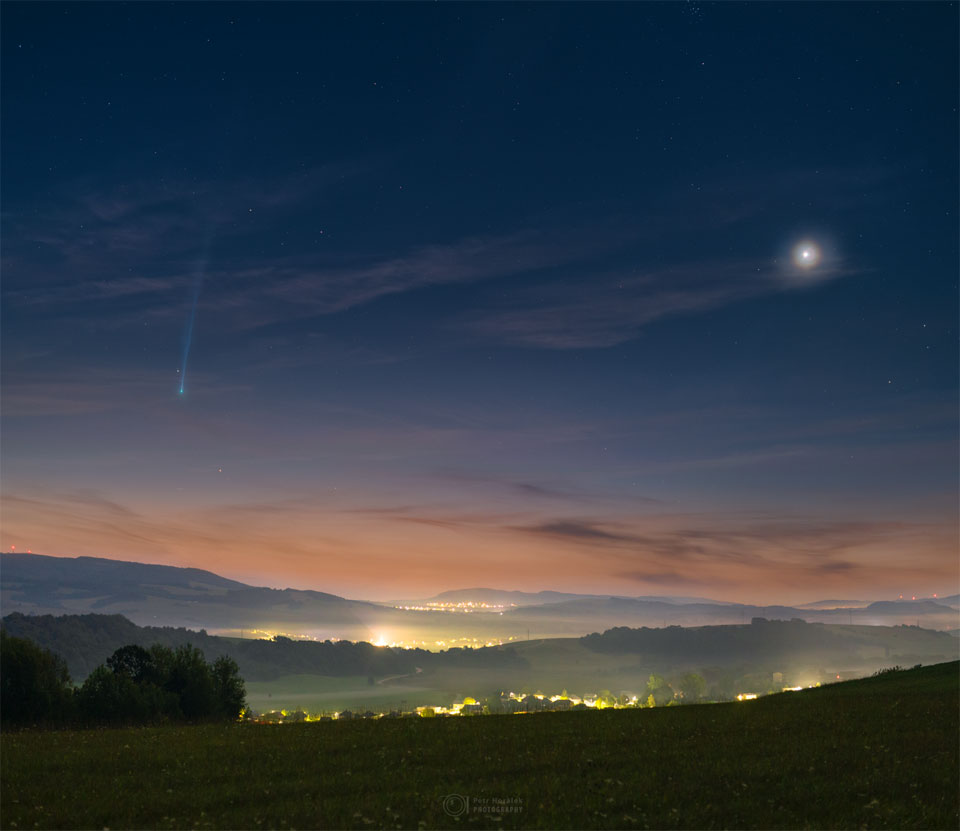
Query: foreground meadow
point(876, 753)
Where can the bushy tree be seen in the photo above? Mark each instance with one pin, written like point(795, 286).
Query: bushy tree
point(134, 662)
point(34, 683)
point(228, 687)
point(107, 695)
point(134, 685)
point(190, 680)
point(661, 691)
point(693, 686)
point(127, 689)
point(605, 699)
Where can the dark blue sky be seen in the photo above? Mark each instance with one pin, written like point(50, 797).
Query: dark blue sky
point(486, 294)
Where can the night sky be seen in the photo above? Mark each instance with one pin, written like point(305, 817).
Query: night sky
point(498, 294)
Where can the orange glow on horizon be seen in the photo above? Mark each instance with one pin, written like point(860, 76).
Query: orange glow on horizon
point(336, 550)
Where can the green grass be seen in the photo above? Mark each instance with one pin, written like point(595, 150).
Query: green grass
point(877, 753)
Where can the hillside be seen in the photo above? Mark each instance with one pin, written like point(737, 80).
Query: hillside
point(172, 596)
point(876, 753)
point(85, 641)
point(331, 675)
point(593, 614)
point(155, 595)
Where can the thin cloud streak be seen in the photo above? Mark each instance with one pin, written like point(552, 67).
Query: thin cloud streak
point(147, 234)
point(614, 308)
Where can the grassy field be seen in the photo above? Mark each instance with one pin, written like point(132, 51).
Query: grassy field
point(876, 753)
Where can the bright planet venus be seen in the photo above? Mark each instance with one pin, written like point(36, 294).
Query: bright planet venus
point(806, 255)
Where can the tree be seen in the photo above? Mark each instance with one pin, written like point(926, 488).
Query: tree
point(605, 699)
point(228, 687)
point(693, 686)
point(133, 661)
point(659, 689)
point(134, 685)
point(162, 658)
point(191, 681)
point(110, 696)
point(34, 683)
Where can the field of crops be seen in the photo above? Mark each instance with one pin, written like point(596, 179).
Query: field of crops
point(877, 753)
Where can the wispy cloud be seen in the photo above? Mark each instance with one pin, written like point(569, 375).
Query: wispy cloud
point(579, 530)
point(141, 239)
point(301, 287)
point(515, 486)
point(673, 579)
point(690, 550)
point(612, 308)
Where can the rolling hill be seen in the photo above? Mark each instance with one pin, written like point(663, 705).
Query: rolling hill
point(157, 595)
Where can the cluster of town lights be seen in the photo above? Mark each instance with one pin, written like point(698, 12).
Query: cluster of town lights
point(462, 606)
point(516, 703)
point(752, 696)
point(381, 640)
point(466, 643)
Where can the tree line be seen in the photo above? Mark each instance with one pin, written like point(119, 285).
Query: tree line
point(85, 640)
point(136, 685)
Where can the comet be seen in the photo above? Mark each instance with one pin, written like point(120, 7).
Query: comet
point(198, 278)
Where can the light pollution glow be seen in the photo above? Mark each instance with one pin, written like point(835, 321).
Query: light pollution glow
point(726, 557)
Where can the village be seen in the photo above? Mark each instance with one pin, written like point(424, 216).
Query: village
point(505, 704)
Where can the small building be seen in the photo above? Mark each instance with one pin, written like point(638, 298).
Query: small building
point(531, 704)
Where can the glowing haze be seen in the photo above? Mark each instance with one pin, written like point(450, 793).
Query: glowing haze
point(488, 304)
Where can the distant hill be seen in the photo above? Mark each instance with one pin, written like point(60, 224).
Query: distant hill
point(167, 596)
point(610, 612)
point(35, 574)
point(772, 640)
